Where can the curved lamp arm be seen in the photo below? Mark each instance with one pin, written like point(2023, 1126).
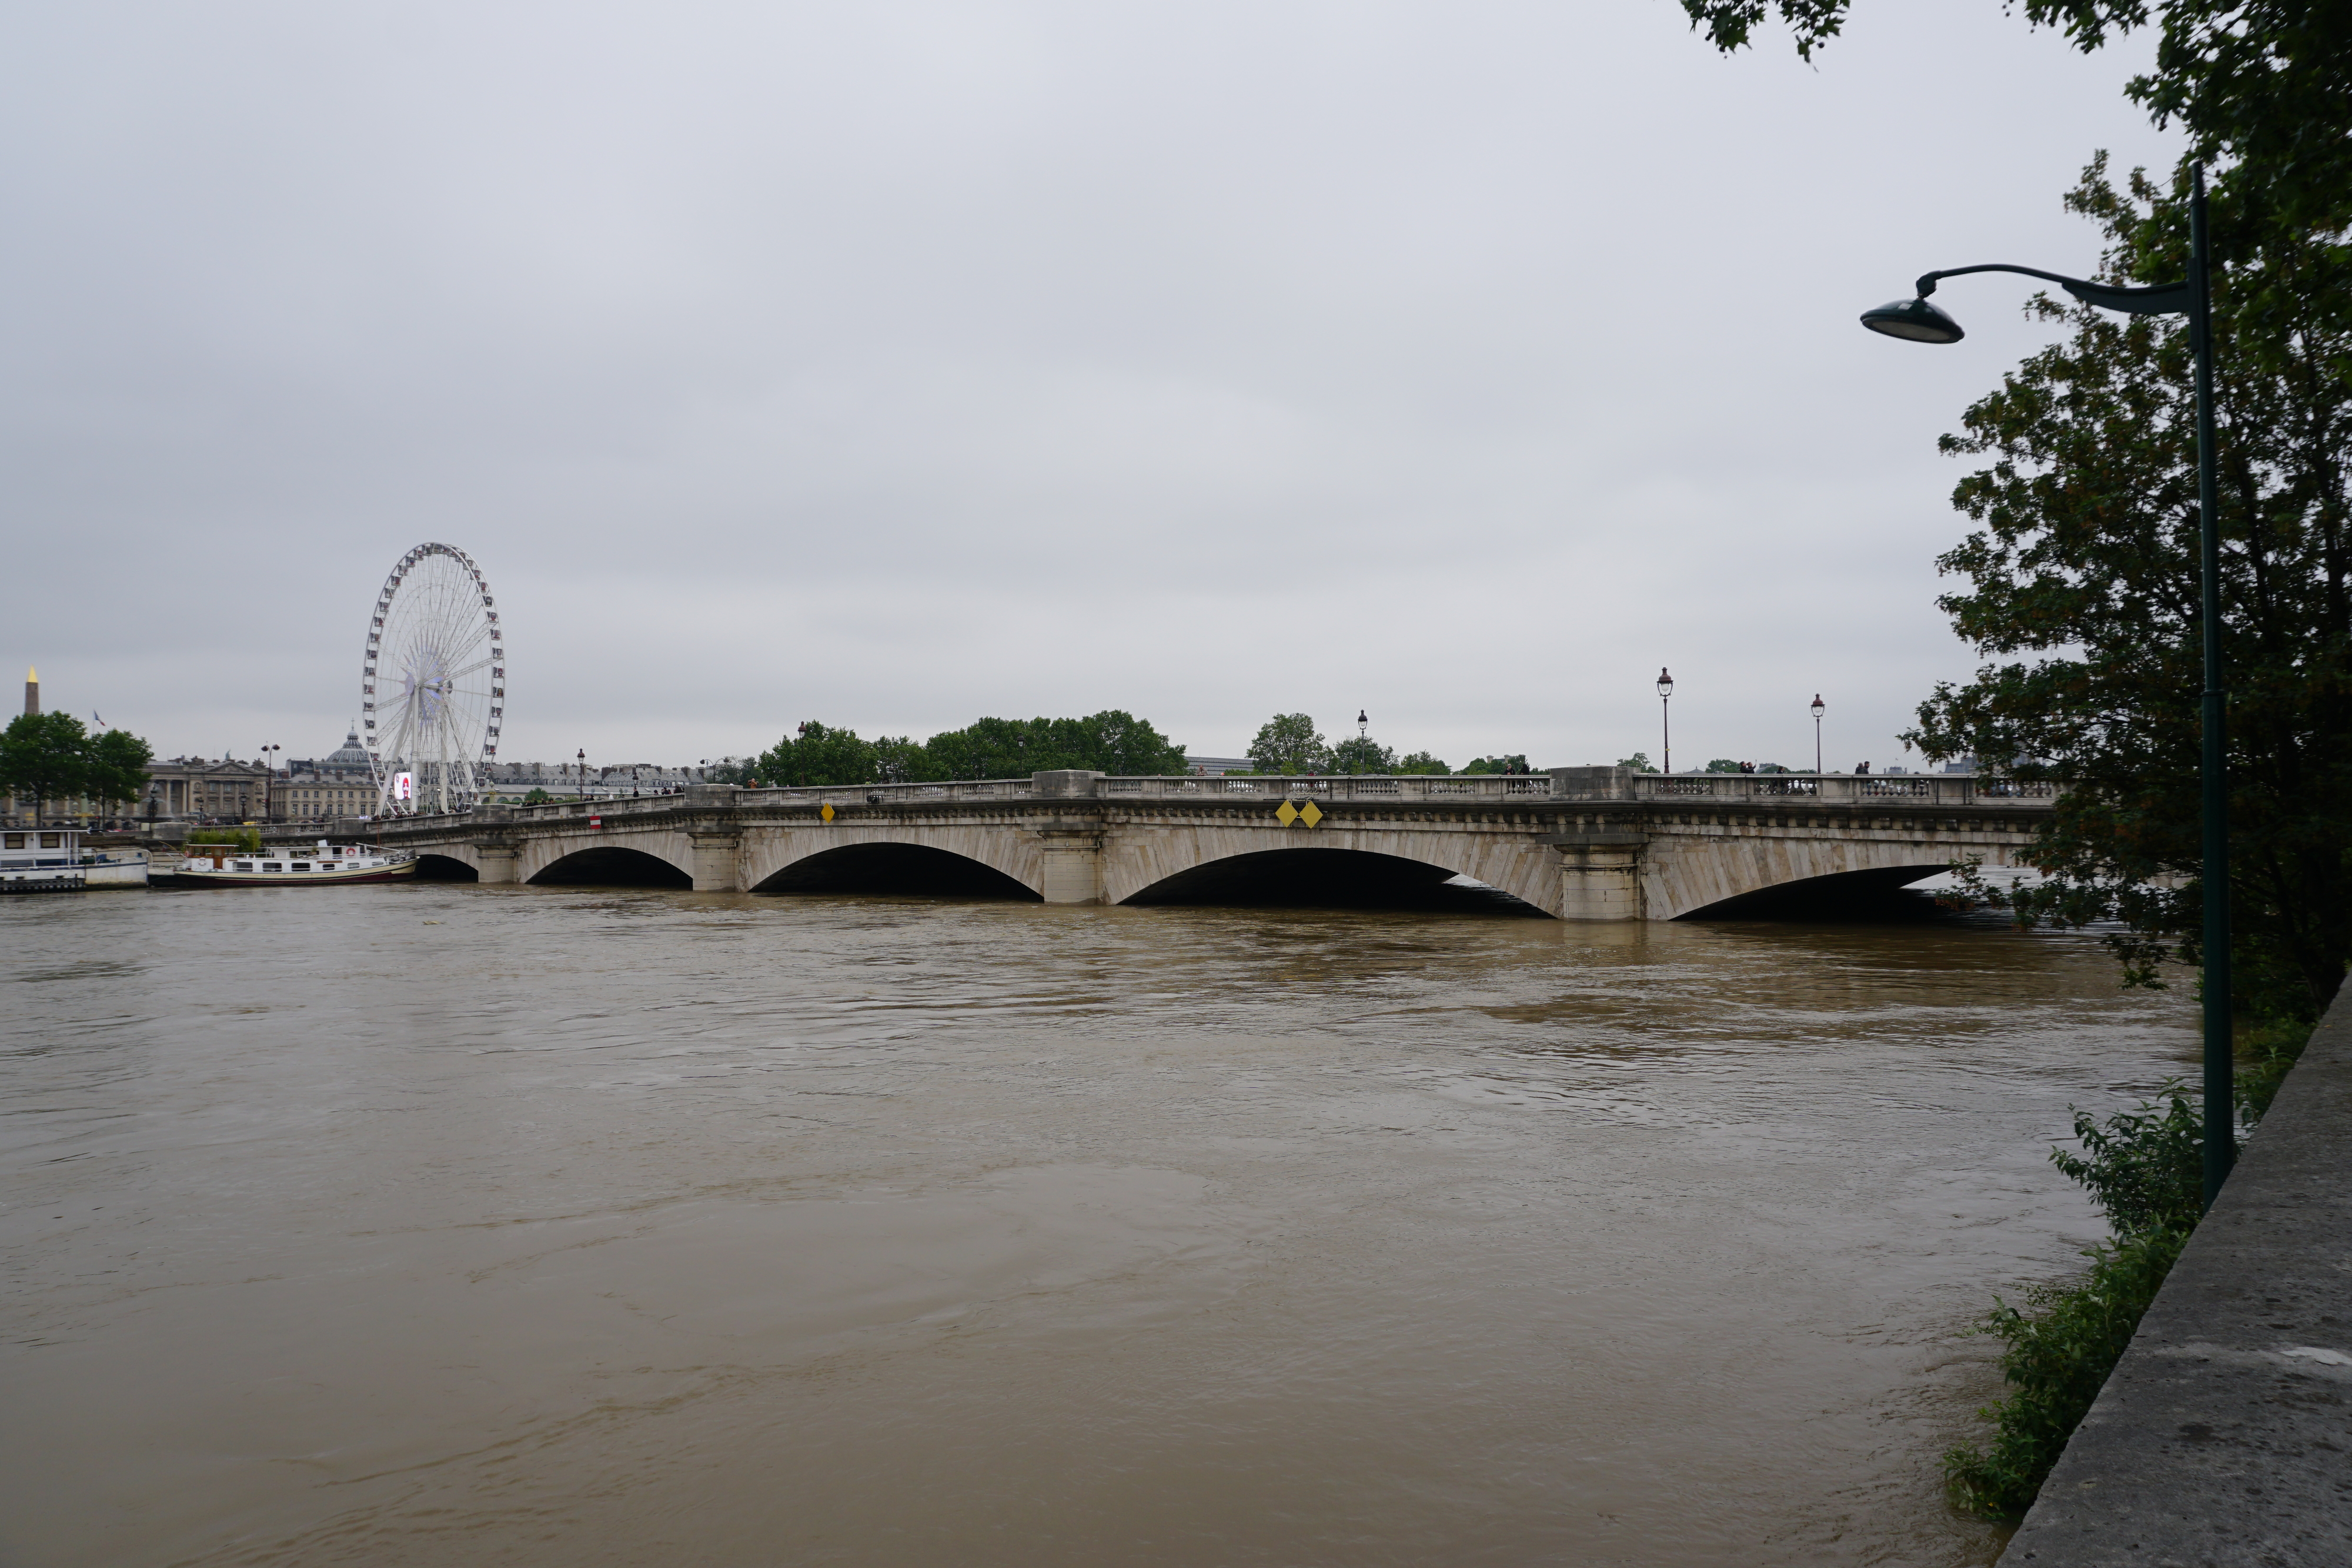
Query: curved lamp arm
point(2159, 299)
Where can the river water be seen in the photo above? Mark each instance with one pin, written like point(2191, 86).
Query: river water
point(444, 1225)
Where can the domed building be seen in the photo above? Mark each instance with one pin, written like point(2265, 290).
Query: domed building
point(340, 784)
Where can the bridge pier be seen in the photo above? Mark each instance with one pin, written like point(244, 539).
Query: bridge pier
point(495, 860)
point(716, 859)
point(1599, 875)
point(1072, 866)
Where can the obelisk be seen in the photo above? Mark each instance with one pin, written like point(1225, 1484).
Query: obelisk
point(32, 690)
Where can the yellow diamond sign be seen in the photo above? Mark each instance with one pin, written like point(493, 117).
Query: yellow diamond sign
point(1286, 813)
point(826, 810)
point(1308, 814)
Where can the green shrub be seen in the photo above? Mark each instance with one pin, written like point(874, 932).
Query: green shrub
point(2145, 1168)
point(247, 840)
point(2057, 1356)
point(2265, 1051)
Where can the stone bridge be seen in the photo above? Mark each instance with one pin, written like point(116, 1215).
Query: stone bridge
point(1578, 843)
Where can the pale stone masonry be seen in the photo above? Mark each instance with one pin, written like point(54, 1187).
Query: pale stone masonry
point(1595, 844)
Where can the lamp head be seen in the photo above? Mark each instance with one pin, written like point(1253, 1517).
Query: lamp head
point(1665, 683)
point(1915, 319)
point(1817, 704)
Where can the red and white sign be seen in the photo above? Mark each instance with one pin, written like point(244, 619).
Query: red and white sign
point(596, 822)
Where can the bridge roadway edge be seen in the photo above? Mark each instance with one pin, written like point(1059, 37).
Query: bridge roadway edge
point(2224, 1435)
point(1575, 858)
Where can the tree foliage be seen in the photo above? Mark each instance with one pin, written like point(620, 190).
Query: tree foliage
point(50, 756)
point(1289, 743)
point(2262, 87)
point(1112, 741)
point(816, 753)
point(116, 763)
point(1361, 754)
point(44, 757)
point(1423, 762)
point(2083, 588)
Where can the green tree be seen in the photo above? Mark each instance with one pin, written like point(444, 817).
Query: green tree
point(995, 748)
point(1514, 762)
point(1362, 754)
point(117, 768)
point(1639, 762)
point(1117, 742)
point(44, 757)
point(816, 753)
point(2083, 589)
point(1423, 762)
point(1723, 765)
point(1289, 743)
point(536, 796)
point(901, 759)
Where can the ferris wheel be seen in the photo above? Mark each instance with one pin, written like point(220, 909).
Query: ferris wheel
point(434, 691)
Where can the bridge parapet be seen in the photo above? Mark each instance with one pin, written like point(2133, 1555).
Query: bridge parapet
point(1846, 789)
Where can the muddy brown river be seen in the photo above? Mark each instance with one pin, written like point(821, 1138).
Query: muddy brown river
point(457, 1226)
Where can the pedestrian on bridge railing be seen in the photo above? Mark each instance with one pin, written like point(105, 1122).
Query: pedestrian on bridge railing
point(1862, 769)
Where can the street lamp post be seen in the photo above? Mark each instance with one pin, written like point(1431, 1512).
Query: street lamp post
point(268, 781)
point(1921, 322)
point(1665, 726)
point(1817, 734)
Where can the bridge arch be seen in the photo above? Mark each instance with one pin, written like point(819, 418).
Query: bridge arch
point(1873, 894)
point(435, 865)
point(610, 866)
point(889, 857)
point(1733, 878)
point(1324, 876)
point(1184, 862)
point(876, 866)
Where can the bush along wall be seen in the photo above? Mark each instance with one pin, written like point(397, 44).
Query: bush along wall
point(2144, 1169)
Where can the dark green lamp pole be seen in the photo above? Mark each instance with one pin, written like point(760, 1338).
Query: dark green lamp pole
point(1923, 323)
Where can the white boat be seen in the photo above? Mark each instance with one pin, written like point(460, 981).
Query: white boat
point(284, 865)
point(52, 860)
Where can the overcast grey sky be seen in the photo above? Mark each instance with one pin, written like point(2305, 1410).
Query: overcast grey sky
point(895, 364)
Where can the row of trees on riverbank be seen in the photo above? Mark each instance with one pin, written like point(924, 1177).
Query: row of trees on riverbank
point(1112, 741)
point(1289, 743)
point(50, 758)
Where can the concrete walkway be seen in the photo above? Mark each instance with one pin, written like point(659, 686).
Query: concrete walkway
point(2224, 1436)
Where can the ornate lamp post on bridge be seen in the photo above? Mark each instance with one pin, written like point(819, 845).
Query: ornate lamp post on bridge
point(1921, 322)
point(1665, 726)
point(1817, 734)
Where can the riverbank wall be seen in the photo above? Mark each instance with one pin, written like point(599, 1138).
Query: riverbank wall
point(2224, 1435)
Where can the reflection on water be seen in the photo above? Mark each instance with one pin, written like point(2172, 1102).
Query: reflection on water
point(627, 1227)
